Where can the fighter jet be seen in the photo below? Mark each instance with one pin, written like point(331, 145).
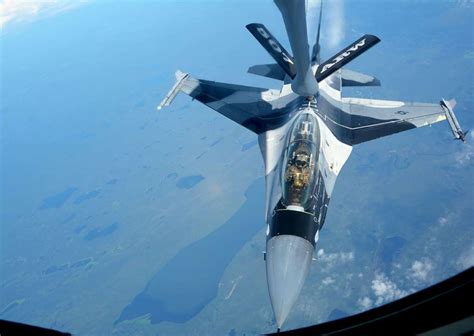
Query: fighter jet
point(306, 131)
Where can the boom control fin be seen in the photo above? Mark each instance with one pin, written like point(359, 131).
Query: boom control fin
point(345, 56)
point(273, 47)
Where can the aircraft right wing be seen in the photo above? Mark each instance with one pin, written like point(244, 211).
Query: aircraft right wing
point(371, 119)
point(248, 106)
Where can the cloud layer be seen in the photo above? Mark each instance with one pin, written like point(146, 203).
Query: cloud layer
point(420, 270)
point(466, 154)
point(466, 260)
point(27, 10)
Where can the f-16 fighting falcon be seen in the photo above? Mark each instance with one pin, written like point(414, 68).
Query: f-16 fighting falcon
point(306, 131)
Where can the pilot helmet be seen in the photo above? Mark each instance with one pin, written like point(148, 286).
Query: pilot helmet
point(302, 159)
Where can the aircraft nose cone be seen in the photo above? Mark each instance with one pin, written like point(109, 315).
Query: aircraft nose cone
point(287, 260)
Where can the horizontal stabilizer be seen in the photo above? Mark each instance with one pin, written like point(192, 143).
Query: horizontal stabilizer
point(354, 78)
point(345, 56)
point(273, 47)
point(268, 70)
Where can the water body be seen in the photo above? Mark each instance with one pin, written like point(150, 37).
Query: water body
point(55, 268)
point(86, 196)
point(140, 104)
point(101, 232)
point(172, 176)
point(390, 250)
point(78, 229)
point(200, 155)
point(68, 219)
point(112, 181)
point(82, 262)
point(401, 162)
point(337, 314)
point(248, 145)
point(189, 281)
point(11, 305)
point(215, 142)
point(63, 267)
point(188, 182)
point(57, 200)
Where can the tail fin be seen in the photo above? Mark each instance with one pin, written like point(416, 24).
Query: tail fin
point(316, 57)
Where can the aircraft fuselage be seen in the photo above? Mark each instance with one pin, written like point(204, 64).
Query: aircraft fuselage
point(293, 223)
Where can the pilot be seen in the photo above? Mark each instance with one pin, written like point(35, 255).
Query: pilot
point(297, 173)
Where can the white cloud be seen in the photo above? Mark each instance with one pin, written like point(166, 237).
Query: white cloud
point(385, 290)
point(24, 10)
point(466, 259)
point(467, 152)
point(442, 220)
point(365, 303)
point(320, 253)
point(420, 270)
point(328, 280)
point(332, 258)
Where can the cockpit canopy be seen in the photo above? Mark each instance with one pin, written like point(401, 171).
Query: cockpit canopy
point(300, 161)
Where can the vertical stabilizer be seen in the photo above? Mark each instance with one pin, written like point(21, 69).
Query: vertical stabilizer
point(316, 56)
point(294, 16)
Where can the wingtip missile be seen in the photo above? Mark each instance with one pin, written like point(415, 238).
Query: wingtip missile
point(180, 77)
point(448, 106)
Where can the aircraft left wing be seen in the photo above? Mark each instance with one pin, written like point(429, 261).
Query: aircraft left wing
point(248, 106)
point(371, 119)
